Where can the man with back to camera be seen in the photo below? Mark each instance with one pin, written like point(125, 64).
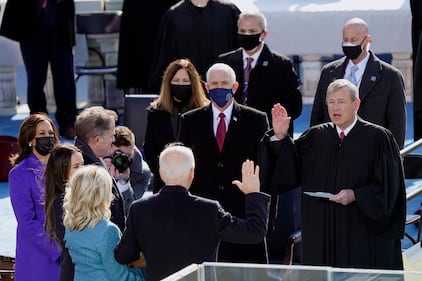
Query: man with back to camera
point(174, 228)
point(381, 86)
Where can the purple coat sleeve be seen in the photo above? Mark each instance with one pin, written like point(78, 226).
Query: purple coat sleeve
point(33, 245)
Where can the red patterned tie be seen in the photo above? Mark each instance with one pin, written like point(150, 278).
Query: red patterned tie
point(221, 131)
point(342, 135)
point(246, 73)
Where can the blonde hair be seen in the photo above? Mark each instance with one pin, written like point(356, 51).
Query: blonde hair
point(88, 198)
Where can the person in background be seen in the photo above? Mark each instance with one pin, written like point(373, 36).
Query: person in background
point(222, 136)
point(37, 257)
point(64, 160)
point(138, 30)
point(125, 155)
point(181, 90)
point(90, 236)
point(198, 30)
point(358, 220)
point(381, 86)
point(174, 228)
point(95, 127)
point(271, 76)
point(45, 30)
point(266, 78)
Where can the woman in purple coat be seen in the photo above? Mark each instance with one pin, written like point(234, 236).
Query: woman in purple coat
point(37, 257)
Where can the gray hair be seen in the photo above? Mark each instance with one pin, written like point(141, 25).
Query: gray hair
point(94, 120)
point(252, 14)
point(223, 67)
point(338, 84)
point(176, 162)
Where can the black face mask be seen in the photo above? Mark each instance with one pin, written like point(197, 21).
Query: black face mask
point(352, 52)
point(182, 93)
point(44, 145)
point(249, 42)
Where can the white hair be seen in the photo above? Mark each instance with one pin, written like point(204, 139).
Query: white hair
point(176, 163)
point(223, 67)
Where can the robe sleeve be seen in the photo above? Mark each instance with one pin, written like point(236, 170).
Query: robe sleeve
point(278, 160)
point(161, 56)
point(383, 200)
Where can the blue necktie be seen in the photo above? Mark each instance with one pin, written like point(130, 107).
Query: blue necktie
point(352, 77)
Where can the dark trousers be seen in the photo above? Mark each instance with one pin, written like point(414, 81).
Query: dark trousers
point(36, 54)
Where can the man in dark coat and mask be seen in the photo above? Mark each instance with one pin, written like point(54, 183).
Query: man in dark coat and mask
point(381, 86)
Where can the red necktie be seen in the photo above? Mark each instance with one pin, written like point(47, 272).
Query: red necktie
point(246, 73)
point(221, 131)
point(342, 135)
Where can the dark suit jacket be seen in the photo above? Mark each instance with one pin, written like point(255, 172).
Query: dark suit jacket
point(381, 92)
point(273, 80)
point(158, 133)
point(174, 229)
point(21, 20)
point(215, 171)
point(138, 29)
point(117, 205)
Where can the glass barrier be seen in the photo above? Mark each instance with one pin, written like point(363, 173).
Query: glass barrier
point(271, 272)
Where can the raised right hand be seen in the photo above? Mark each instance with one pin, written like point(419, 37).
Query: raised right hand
point(281, 121)
point(250, 178)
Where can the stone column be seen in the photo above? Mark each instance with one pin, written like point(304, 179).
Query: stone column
point(7, 90)
point(403, 61)
point(311, 66)
point(49, 92)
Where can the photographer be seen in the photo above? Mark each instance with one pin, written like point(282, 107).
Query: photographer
point(126, 165)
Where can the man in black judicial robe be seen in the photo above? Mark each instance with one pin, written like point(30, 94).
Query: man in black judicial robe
point(360, 225)
point(199, 30)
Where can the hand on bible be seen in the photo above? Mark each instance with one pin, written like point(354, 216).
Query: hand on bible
point(344, 197)
point(250, 178)
point(281, 121)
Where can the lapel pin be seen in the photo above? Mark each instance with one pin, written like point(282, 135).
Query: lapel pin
point(235, 118)
point(265, 63)
point(373, 78)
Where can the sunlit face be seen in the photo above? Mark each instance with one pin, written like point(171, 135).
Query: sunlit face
point(355, 34)
point(104, 141)
point(341, 108)
point(249, 25)
point(219, 79)
point(181, 78)
point(76, 161)
point(43, 129)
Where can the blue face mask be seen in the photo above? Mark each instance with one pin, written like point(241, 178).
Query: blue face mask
point(220, 96)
